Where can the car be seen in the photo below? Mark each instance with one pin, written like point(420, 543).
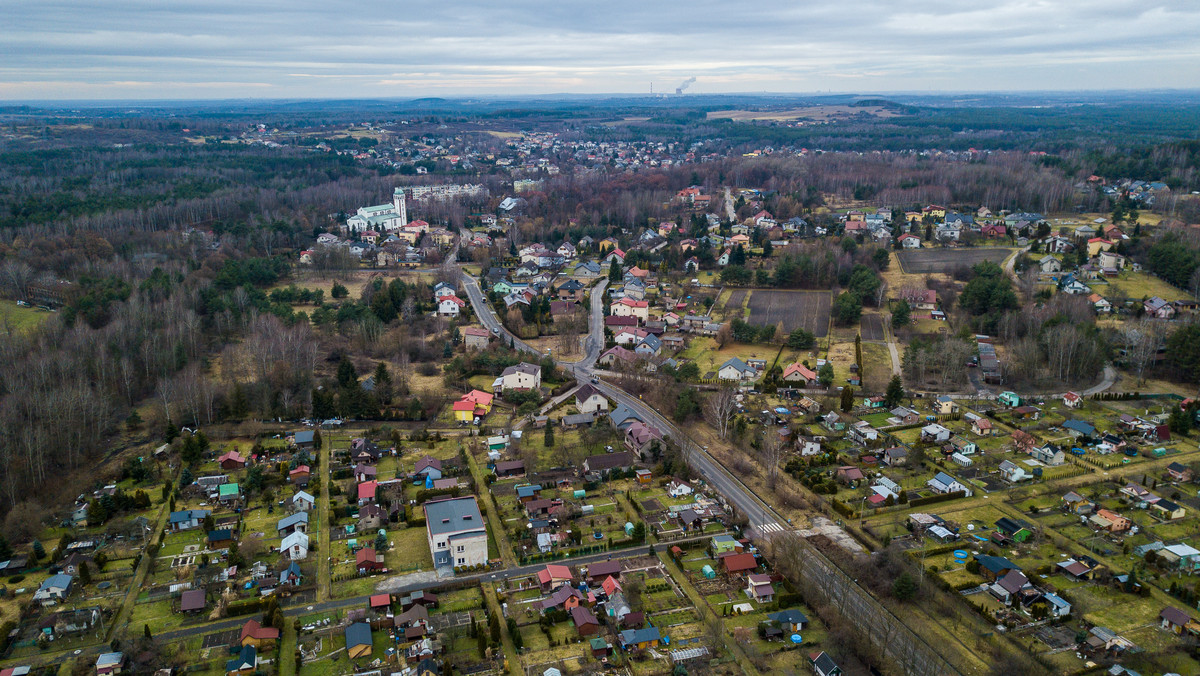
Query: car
point(595, 379)
point(496, 330)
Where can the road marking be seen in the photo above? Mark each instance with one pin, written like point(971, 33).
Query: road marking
point(771, 527)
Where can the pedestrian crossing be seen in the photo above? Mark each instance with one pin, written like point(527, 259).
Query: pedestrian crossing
point(769, 528)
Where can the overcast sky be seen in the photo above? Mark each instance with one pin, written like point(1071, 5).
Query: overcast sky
point(156, 49)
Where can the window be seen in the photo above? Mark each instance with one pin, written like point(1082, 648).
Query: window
point(441, 545)
point(460, 549)
point(461, 561)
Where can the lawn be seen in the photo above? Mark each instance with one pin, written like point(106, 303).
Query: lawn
point(1139, 285)
point(14, 318)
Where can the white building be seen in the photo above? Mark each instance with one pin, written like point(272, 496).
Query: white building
point(295, 546)
point(381, 217)
point(456, 533)
point(523, 376)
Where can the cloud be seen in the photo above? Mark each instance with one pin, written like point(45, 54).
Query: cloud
point(191, 49)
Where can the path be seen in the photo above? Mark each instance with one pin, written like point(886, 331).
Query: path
point(324, 573)
point(729, 212)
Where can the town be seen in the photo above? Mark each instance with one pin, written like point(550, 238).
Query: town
point(472, 420)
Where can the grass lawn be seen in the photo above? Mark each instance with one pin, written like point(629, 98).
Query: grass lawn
point(1139, 285)
point(13, 317)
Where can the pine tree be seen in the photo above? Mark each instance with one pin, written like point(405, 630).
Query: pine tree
point(39, 550)
point(895, 392)
point(905, 587)
point(494, 629)
point(549, 440)
point(858, 355)
point(847, 399)
point(146, 631)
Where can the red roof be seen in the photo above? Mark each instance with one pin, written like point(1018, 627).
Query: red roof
point(365, 555)
point(252, 629)
point(302, 469)
point(381, 600)
point(367, 489)
point(554, 573)
point(464, 405)
point(633, 303)
point(735, 563)
point(479, 397)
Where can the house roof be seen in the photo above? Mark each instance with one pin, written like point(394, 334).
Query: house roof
point(996, 564)
point(824, 663)
point(253, 629)
point(366, 490)
point(581, 616)
point(644, 635)
point(739, 562)
point(192, 599)
point(452, 516)
point(303, 495)
point(603, 568)
point(294, 538)
point(292, 520)
point(789, 616)
point(1175, 616)
point(1013, 581)
point(358, 634)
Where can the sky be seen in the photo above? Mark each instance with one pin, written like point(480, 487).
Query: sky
point(218, 49)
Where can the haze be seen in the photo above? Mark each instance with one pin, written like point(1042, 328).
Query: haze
point(222, 49)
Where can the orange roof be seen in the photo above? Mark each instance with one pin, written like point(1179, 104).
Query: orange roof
point(479, 397)
point(464, 405)
point(633, 303)
point(252, 629)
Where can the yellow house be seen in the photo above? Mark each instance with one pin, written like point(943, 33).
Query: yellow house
point(472, 404)
point(946, 406)
point(935, 211)
point(258, 636)
point(912, 216)
point(607, 243)
point(1098, 244)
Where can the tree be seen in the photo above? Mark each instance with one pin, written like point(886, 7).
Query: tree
point(772, 455)
point(766, 248)
point(719, 409)
point(614, 271)
point(639, 531)
point(85, 573)
point(1183, 350)
point(882, 258)
point(548, 441)
point(146, 631)
point(902, 315)
point(847, 309)
point(847, 402)
point(800, 339)
point(825, 375)
point(39, 550)
point(339, 291)
point(894, 393)
point(858, 358)
point(494, 629)
point(905, 587)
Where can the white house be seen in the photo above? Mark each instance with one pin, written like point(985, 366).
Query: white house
point(1013, 472)
point(54, 589)
point(628, 307)
point(944, 483)
point(588, 399)
point(521, 377)
point(295, 546)
point(449, 306)
point(456, 532)
point(303, 501)
point(736, 369)
point(935, 433)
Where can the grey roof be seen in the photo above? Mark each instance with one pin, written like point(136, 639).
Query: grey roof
point(289, 521)
point(737, 364)
point(192, 599)
point(633, 636)
point(789, 616)
point(1080, 426)
point(188, 514)
point(452, 516)
point(304, 437)
point(824, 663)
point(622, 415)
point(358, 634)
point(523, 367)
point(579, 418)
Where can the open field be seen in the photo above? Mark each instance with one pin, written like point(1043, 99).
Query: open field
point(1139, 285)
point(921, 261)
point(736, 298)
point(13, 317)
point(872, 327)
point(815, 113)
point(795, 309)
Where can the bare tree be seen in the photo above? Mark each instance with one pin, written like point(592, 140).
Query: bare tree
point(772, 455)
point(1141, 344)
point(719, 409)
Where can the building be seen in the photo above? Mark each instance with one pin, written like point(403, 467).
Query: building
point(187, 519)
point(944, 483)
point(295, 546)
point(358, 640)
point(254, 634)
point(456, 532)
point(521, 377)
point(109, 663)
point(476, 338)
point(736, 369)
point(799, 374)
point(589, 399)
point(54, 589)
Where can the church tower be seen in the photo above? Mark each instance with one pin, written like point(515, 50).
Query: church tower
point(398, 202)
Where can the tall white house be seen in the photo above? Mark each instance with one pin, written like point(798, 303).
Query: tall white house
point(456, 533)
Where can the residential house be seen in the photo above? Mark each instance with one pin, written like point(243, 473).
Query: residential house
point(1158, 308)
point(1174, 620)
point(629, 307)
point(589, 399)
point(520, 377)
point(944, 483)
point(1048, 454)
point(187, 519)
point(53, 589)
point(935, 433)
point(358, 640)
point(585, 622)
point(799, 374)
point(106, 663)
point(823, 664)
point(724, 544)
point(641, 438)
point(1013, 472)
point(303, 501)
point(476, 338)
point(640, 639)
point(895, 457)
point(1179, 471)
point(255, 634)
point(608, 462)
point(1006, 588)
point(1110, 521)
point(1072, 400)
point(790, 620)
point(983, 427)
point(737, 370)
point(295, 546)
point(456, 533)
point(945, 405)
point(245, 661)
point(1167, 510)
point(993, 568)
point(292, 523)
point(738, 564)
point(759, 588)
point(367, 560)
point(1050, 265)
point(231, 460)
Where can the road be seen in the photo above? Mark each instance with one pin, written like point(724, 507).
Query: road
point(762, 518)
point(729, 212)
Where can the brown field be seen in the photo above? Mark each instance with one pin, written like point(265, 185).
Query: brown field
point(872, 327)
point(922, 261)
point(807, 309)
point(818, 113)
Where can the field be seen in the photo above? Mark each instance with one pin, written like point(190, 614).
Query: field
point(795, 309)
point(922, 261)
point(872, 327)
point(13, 317)
point(1139, 285)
